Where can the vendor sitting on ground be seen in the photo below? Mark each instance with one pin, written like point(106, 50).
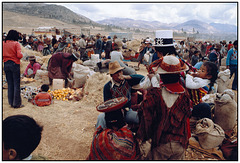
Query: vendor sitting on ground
point(32, 67)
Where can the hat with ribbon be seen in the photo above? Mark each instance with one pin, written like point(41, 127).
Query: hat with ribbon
point(170, 64)
point(112, 104)
point(163, 38)
point(114, 67)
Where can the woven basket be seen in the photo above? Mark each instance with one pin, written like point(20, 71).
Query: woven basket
point(209, 135)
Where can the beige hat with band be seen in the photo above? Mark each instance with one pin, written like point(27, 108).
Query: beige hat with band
point(114, 67)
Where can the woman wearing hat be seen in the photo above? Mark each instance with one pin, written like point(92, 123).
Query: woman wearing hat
point(116, 141)
point(32, 67)
point(60, 65)
point(11, 58)
point(163, 114)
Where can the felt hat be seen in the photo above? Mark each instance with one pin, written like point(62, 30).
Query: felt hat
point(163, 38)
point(112, 104)
point(31, 58)
point(114, 67)
point(76, 55)
point(170, 64)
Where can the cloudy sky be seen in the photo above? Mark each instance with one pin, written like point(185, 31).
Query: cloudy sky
point(172, 12)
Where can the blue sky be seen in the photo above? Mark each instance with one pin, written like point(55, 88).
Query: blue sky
point(171, 12)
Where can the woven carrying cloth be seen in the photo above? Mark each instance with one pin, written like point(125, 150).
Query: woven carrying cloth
point(111, 144)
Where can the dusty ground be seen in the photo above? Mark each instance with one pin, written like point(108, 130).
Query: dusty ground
point(69, 126)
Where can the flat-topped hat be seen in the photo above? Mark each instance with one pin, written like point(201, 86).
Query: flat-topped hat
point(114, 67)
point(163, 38)
point(112, 104)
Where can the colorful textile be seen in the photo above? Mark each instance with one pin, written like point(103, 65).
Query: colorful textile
point(111, 144)
point(12, 51)
point(196, 95)
point(163, 124)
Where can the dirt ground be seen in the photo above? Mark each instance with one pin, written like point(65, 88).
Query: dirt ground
point(68, 126)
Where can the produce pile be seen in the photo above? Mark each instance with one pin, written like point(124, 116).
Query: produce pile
point(66, 94)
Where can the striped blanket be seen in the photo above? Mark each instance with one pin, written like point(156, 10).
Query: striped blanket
point(111, 144)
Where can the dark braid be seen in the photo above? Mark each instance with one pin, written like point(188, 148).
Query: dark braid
point(212, 70)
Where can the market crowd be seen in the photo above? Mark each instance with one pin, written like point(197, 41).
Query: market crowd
point(142, 117)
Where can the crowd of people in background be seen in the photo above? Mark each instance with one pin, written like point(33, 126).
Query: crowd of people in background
point(162, 114)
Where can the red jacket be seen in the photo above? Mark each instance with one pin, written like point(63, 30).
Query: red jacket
point(42, 99)
point(12, 51)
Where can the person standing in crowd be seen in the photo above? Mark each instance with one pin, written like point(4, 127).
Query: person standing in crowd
point(148, 50)
point(104, 43)
point(82, 45)
point(164, 112)
point(195, 57)
point(11, 58)
point(214, 55)
point(54, 40)
point(32, 67)
point(108, 48)
point(60, 65)
point(230, 45)
point(98, 45)
point(231, 63)
point(182, 49)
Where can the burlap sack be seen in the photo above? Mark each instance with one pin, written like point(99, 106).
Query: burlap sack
point(225, 113)
point(223, 80)
point(209, 135)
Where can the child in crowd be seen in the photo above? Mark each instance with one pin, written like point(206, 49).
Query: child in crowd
point(21, 136)
point(43, 98)
point(199, 84)
point(32, 67)
point(195, 57)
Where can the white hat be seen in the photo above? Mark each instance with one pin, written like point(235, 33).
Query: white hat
point(170, 65)
point(148, 41)
point(163, 38)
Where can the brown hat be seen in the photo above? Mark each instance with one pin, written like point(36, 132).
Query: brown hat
point(31, 58)
point(114, 67)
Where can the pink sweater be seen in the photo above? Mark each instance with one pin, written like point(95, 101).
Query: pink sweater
point(36, 66)
point(12, 51)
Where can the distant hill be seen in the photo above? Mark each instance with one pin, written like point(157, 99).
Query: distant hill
point(201, 27)
point(49, 11)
